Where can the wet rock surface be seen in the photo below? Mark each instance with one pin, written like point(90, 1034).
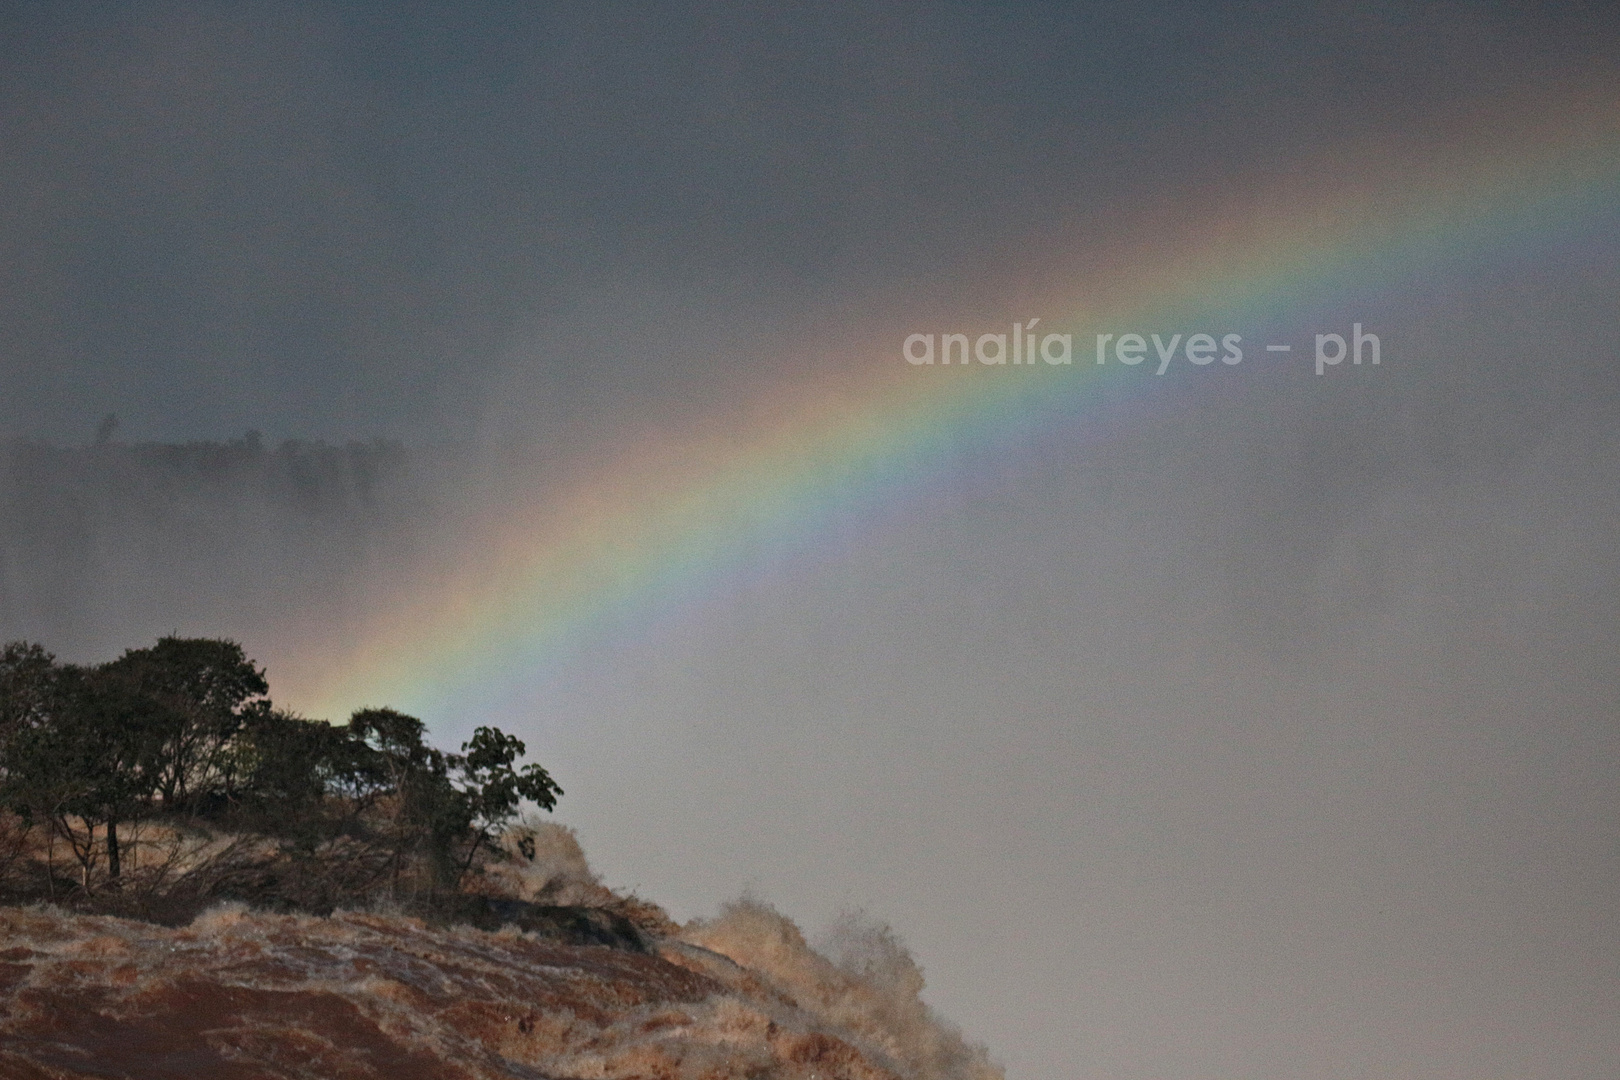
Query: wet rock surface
point(568, 924)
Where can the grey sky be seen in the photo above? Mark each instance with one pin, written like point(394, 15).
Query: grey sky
point(323, 221)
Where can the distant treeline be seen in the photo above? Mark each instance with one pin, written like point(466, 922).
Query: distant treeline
point(109, 542)
point(179, 740)
point(313, 476)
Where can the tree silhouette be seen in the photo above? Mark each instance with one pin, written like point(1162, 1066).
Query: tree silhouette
point(184, 730)
point(190, 696)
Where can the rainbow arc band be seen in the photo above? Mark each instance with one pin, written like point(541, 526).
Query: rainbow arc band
point(662, 525)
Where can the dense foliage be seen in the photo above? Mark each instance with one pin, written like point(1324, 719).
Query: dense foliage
point(182, 735)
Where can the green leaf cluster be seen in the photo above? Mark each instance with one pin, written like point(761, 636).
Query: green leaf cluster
point(185, 730)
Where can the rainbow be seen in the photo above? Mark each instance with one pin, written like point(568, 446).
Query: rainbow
point(670, 518)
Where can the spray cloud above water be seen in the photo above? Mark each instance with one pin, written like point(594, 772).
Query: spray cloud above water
point(1271, 702)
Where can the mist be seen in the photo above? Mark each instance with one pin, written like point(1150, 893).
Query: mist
point(1246, 722)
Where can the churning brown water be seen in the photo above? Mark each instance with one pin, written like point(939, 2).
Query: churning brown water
point(241, 995)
